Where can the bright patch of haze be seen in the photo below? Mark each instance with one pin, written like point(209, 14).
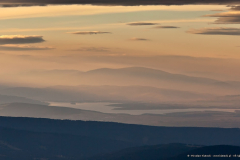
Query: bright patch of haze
point(107, 108)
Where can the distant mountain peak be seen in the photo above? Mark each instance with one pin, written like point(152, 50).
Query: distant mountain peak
point(128, 69)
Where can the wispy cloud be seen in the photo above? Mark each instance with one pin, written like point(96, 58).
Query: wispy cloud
point(20, 39)
point(138, 39)
point(235, 8)
point(216, 31)
point(230, 17)
point(12, 47)
point(216, 10)
point(141, 23)
point(166, 27)
point(88, 32)
point(93, 49)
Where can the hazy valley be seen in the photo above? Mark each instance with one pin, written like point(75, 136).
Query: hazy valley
point(111, 80)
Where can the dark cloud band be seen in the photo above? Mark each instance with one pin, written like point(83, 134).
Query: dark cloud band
point(23, 48)
point(8, 3)
point(138, 39)
point(141, 24)
point(235, 8)
point(20, 39)
point(226, 17)
point(216, 31)
point(88, 32)
point(21, 5)
point(166, 27)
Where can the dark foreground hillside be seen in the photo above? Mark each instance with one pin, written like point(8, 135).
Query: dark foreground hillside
point(211, 152)
point(174, 152)
point(135, 134)
point(24, 145)
point(155, 152)
point(46, 139)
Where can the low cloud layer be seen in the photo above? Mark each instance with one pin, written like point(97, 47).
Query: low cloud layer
point(8, 3)
point(166, 27)
point(88, 32)
point(141, 23)
point(23, 47)
point(138, 39)
point(216, 31)
point(20, 39)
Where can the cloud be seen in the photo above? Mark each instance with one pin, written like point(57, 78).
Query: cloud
point(141, 23)
point(228, 20)
point(231, 17)
point(115, 2)
point(216, 31)
point(167, 27)
point(138, 39)
point(217, 10)
point(235, 8)
point(21, 5)
point(20, 39)
point(93, 49)
point(88, 32)
point(11, 47)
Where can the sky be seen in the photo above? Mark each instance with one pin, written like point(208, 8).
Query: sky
point(164, 54)
point(192, 39)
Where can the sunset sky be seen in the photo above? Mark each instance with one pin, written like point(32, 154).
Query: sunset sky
point(167, 62)
point(198, 40)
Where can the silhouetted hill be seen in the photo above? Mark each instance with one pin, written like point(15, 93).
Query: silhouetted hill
point(33, 138)
point(183, 119)
point(156, 152)
point(134, 134)
point(104, 94)
point(132, 76)
point(27, 145)
point(13, 99)
point(211, 152)
point(173, 152)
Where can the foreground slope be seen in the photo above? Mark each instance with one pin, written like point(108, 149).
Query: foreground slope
point(35, 139)
point(26, 145)
point(155, 152)
point(211, 152)
point(173, 152)
point(135, 134)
